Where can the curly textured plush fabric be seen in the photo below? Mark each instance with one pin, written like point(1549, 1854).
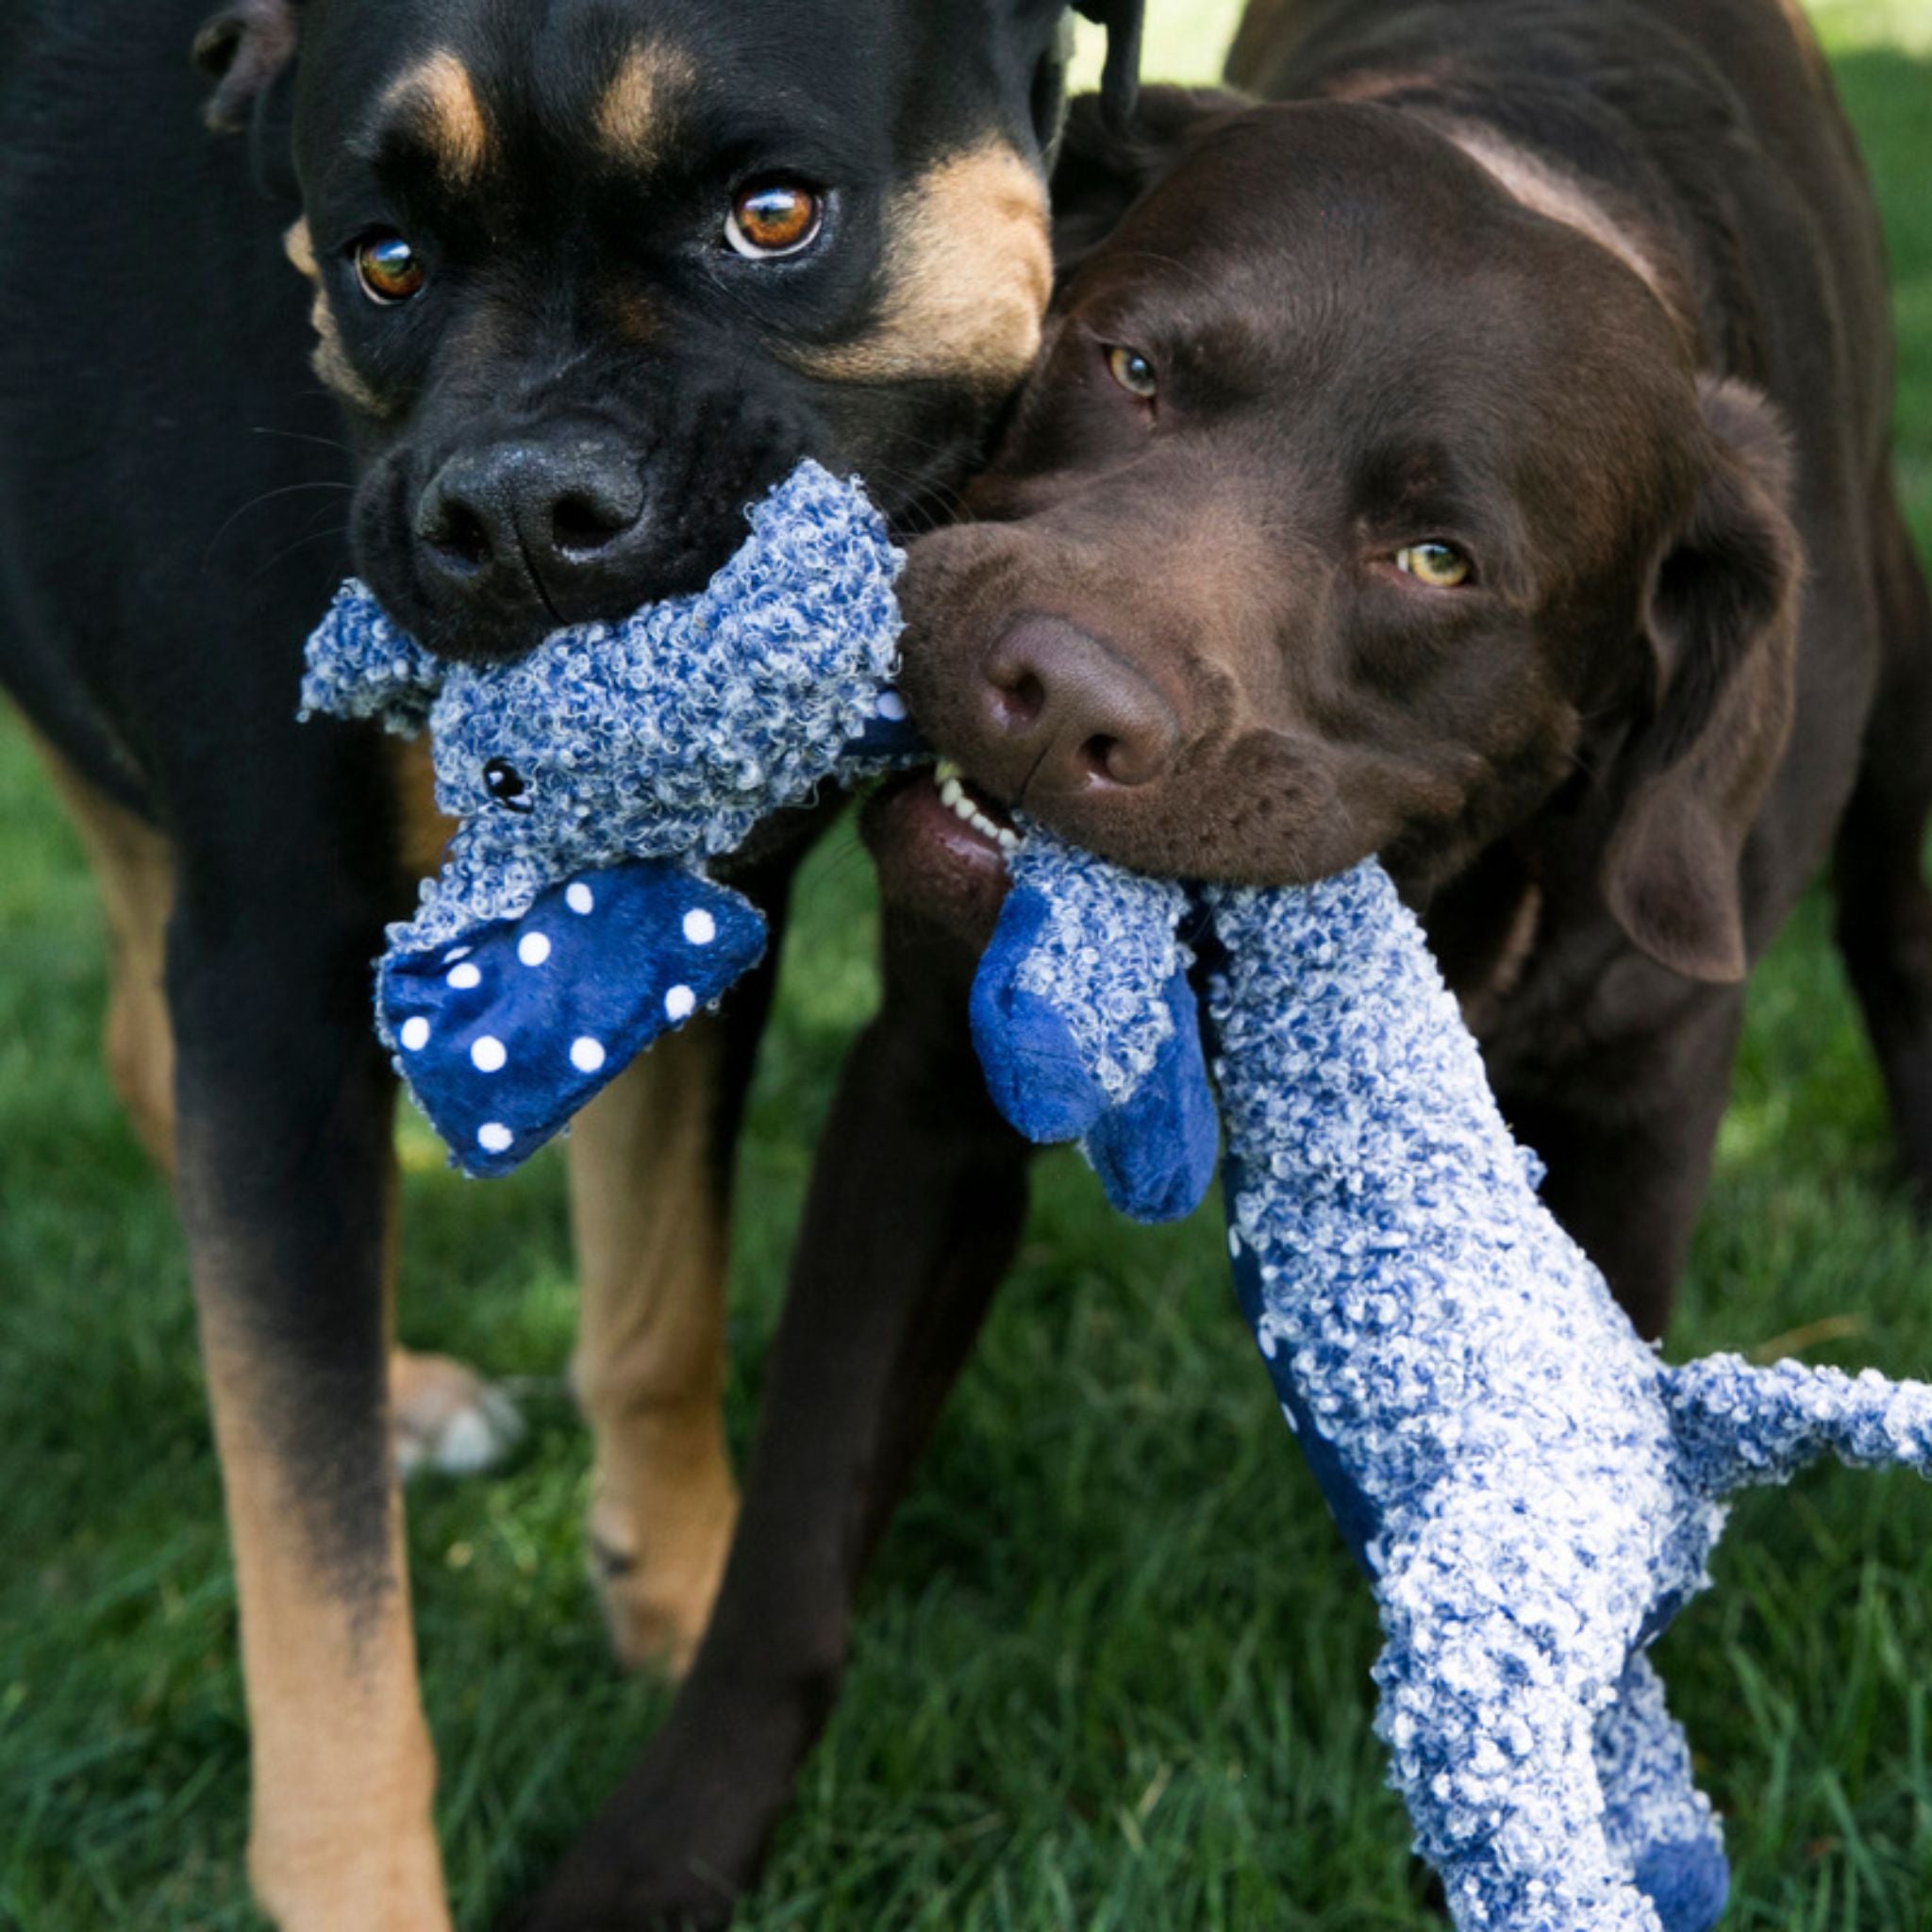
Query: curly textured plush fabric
point(1532, 1490)
point(617, 758)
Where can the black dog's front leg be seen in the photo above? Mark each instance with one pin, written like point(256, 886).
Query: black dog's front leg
point(916, 1206)
point(286, 1177)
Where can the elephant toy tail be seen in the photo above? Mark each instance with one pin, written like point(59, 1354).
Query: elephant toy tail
point(1739, 1426)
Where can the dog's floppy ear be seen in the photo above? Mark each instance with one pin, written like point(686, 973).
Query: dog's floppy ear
point(1120, 79)
point(242, 48)
point(1721, 617)
point(1105, 165)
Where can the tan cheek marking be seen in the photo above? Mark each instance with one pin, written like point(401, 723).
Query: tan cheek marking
point(634, 116)
point(970, 271)
point(439, 93)
point(330, 359)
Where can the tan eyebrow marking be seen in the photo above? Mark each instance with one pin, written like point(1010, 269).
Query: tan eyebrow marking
point(970, 273)
point(635, 114)
point(439, 97)
point(330, 359)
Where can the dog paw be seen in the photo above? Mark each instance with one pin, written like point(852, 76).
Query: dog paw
point(447, 1418)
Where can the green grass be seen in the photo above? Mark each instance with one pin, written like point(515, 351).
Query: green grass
point(1112, 1667)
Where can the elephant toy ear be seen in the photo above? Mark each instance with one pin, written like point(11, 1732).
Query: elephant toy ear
point(509, 1032)
point(359, 665)
point(1087, 1028)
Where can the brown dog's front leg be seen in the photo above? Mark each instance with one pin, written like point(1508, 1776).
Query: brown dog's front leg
point(916, 1206)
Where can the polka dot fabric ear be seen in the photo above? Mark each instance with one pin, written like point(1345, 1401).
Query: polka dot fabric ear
point(504, 1037)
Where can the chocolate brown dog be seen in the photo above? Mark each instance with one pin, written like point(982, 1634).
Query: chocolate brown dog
point(1481, 458)
point(579, 278)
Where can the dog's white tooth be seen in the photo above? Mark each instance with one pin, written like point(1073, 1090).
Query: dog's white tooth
point(1009, 840)
point(951, 793)
point(962, 805)
point(946, 768)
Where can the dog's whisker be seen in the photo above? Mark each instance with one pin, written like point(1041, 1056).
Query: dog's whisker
point(282, 556)
point(300, 436)
point(253, 503)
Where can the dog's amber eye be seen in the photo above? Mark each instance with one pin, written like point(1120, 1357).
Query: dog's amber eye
point(773, 218)
point(1134, 372)
point(1441, 566)
point(389, 268)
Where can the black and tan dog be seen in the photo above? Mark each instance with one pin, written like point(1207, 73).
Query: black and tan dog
point(586, 276)
point(1481, 457)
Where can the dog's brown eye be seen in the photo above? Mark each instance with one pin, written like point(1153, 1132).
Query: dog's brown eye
point(1134, 372)
point(773, 218)
point(1441, 566)
point(389, 268)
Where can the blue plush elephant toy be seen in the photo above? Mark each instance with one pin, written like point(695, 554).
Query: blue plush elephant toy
point(1532, 1491)
point(574, 922)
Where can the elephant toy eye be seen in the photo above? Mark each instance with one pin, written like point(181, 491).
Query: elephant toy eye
point(504, 784)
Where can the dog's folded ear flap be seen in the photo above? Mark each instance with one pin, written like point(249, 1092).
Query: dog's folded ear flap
point(1721, 619)
point(1120, 79)
point(1104, 166)
point(242, 48)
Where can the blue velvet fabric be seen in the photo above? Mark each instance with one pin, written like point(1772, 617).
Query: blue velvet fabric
point(507, 1034)
point(1141, 1108)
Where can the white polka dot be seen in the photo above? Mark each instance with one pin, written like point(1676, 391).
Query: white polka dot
point(891, 706)
point(456, 953)
point(700, 928)
point(494, 1138)
point(586, 1054)
point(463, 977)
point(680, 1003)
point(489, 1053)
point(415, 1033)
point(534, 948)
point(579, 897)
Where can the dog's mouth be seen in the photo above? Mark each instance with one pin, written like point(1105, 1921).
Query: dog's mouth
point(973, 807)
point(941, 845)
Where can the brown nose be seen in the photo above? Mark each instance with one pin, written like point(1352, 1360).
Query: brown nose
point(1062, 712)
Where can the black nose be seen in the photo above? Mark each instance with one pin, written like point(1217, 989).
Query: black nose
point(554, 521)
point(1062, 712)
